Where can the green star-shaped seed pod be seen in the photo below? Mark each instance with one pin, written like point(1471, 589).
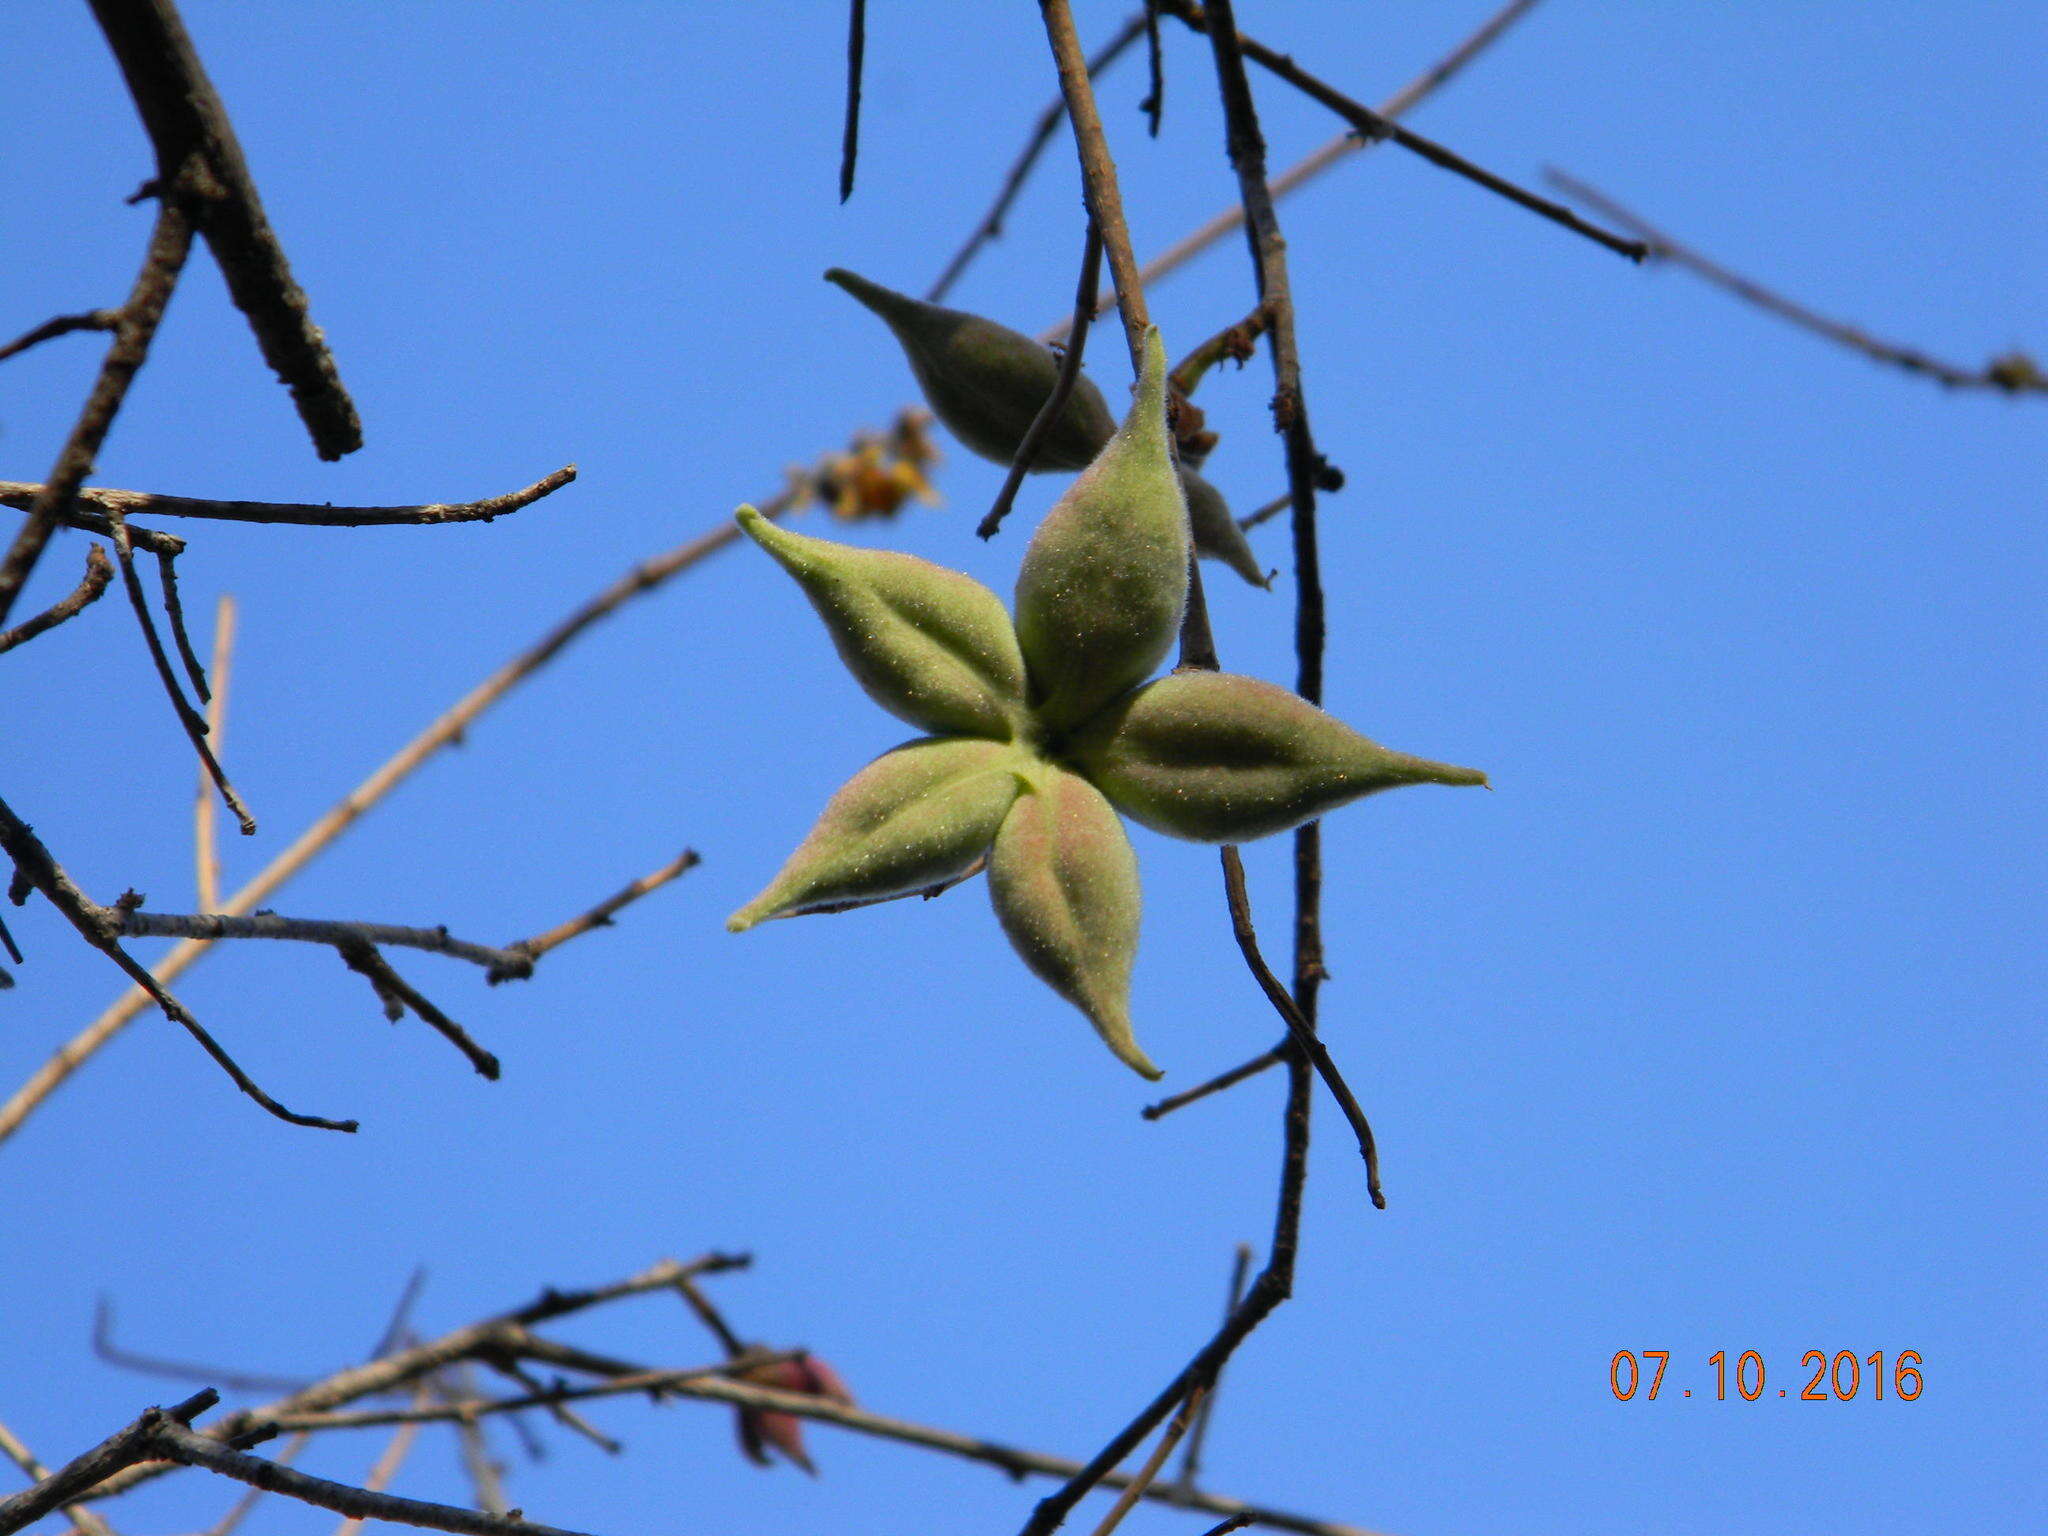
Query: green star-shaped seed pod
point(1042, 731)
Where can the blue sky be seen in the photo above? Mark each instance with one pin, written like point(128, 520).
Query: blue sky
point(1715, 1027)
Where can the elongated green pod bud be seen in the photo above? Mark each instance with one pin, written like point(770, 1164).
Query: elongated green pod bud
point(1220, 758)
point(1065, 886)
point(928, 644)
point(1103, 583)
point(913, 817)
point(1216, 532)
point(986, 382)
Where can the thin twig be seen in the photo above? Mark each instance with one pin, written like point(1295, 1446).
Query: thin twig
point(205, 844)
point(62, 325)
point(2014, 373)
point(1191, 1464)
point(364, 959)
point(707, 1314)
point(188, 126)
point(170, 241)
point(1217, 1084)
point(1373, 125)
point(1153, 1463)
point(991, 224)
point(1062, 389)
point(188, 717)
point(1236, 341)
point(174, 610)
point(550, 1399)
point(242, 1507)
point(98, 572)
point(1342, 147)
point(104, 1348)
point(97, 925)
point(1154, 104)
point(213, 926)
point(181, 1444)
point(1303, 1032)
point(1266, 513)
point(105, 500)
point(599, 916)
point(384, 1469)
point(856, 50)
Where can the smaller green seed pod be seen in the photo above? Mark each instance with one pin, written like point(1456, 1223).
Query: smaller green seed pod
point(1065, 887)
point(914, 817)
point(930, 645)
point(1220, 758)
point(986, 382)
point(1216, 532)
point(1104, 580)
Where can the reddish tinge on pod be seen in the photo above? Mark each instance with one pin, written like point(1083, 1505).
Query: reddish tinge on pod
point(760, 1428)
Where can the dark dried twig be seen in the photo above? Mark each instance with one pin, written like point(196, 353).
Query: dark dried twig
point(98, 572)
point(193, 138)
point(106, 501)
point(856, 51)
point(1342, 147)
point(1154, 104)
point(1266, 513)
point(312, 930)
point(2014, 373)
point(991, 224)
point(100, 927)
point(1375, 126)
point(62, 325)
point(394, 990)
point(174, 610)
point(1217, 1084)
point(170, 241)
point(1062, 389)
point(119, 1451)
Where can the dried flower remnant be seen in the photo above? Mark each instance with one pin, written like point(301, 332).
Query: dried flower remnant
point(762, 1428)
point(1042, 730)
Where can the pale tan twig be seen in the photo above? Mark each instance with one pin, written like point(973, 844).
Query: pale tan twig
point(205, 845)
point(81, 1518)
point(1139, 1484)
point(599, 916)
point(387, 1465)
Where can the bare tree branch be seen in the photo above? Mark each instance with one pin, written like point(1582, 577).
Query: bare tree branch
point(205, 845)
point(1370, 123)
point(107, 501)
point(62, 325)
point(189, 127)
point(2014, 373)
point(98, 572)
point(170, 242)
point(991, 224)
point(1062, 389)
point(856, 51)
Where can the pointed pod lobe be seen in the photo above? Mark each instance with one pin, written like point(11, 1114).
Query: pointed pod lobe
point(1100, 593)
point(987, 382)
point(1220, 758)
point(1217, 534)
point(1065, 886)
point(914, 817)
point(929, 645)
